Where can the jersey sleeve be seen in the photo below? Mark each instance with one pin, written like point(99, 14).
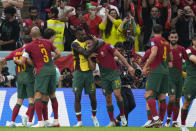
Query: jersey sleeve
point(146, 56)
point(184, 54)
point(10, 56)
point(75, 46)
point(111, 48)
point(189, 52)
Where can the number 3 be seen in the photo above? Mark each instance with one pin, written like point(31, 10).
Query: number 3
point(44, 52)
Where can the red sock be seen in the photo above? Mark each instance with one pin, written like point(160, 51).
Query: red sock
point(152, 105)
point(184, 114)
point(38, 108)
point(31, 110)
point(45, 110)
point(170, 107)
point(94, 112)
point(162, 109)
point(15, 112)
point(121, 108)
point(149, 114)
point(110, 110)
point(176, 111)
point(78, 116)
point(55, 107)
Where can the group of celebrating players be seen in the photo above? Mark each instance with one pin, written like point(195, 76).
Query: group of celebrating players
point(36, 76)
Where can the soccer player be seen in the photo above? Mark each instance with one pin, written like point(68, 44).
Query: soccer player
point(82, 77)
point(25, 82)
point(175, 79)
point(190, 82)
point(50, 34)
point(40, 52)
point(110, 76)
point(158, 78)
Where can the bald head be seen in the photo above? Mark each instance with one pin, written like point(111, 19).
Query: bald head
point(35, 32)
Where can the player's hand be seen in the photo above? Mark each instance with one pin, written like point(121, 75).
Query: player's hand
point(144, 71)
point(1, 60)
point(15, 60)
point(170, 64)
point(34, 70)
point(93, 55)
point(131, 70)
point(2, 42)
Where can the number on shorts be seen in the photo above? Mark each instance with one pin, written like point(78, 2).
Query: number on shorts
point(21, 67)
point(165, 53)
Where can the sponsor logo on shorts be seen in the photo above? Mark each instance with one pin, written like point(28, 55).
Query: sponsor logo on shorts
point(75, 88)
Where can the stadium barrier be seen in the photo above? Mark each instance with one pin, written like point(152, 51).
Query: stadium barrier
point(137, 117)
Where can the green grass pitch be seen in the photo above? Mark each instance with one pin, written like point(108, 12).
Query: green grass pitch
point(92, 129)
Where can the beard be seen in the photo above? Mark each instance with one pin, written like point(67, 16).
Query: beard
point(173, 42)
point(33, 17)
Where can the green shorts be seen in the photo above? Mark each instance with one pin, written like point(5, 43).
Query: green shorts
point(45, 84)
point(175, 87)
point(158, 83)
point(25, 90)
point(109, 85)
point(83, 79)
point(190, 88)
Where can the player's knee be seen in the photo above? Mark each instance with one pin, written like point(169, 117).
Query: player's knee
point(109, 99)
point(31, 100)
point(186, 104)
point(118, 96)
point(52, 95)
point(172, 98)
point(20, 101)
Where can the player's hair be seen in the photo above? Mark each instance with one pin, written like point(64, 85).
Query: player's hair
point(32, 8)
point(194, 37)
point(88, 37)
point(48, 33)
point(26, 39)
point(119, 45)
point(10, 10)
point(173, 32)
point(157, 29)
point(55, 11)
point(78, 28)
point(154, 7)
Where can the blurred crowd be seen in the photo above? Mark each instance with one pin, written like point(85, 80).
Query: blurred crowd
point(112, 20)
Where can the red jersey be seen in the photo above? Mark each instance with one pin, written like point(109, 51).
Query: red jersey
point(75, 21)
point(94, 25)
point(162, 53)
point(106, 57)
point(179, 54)
point(29, 23)
point(40, 52)
point(17, 54)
